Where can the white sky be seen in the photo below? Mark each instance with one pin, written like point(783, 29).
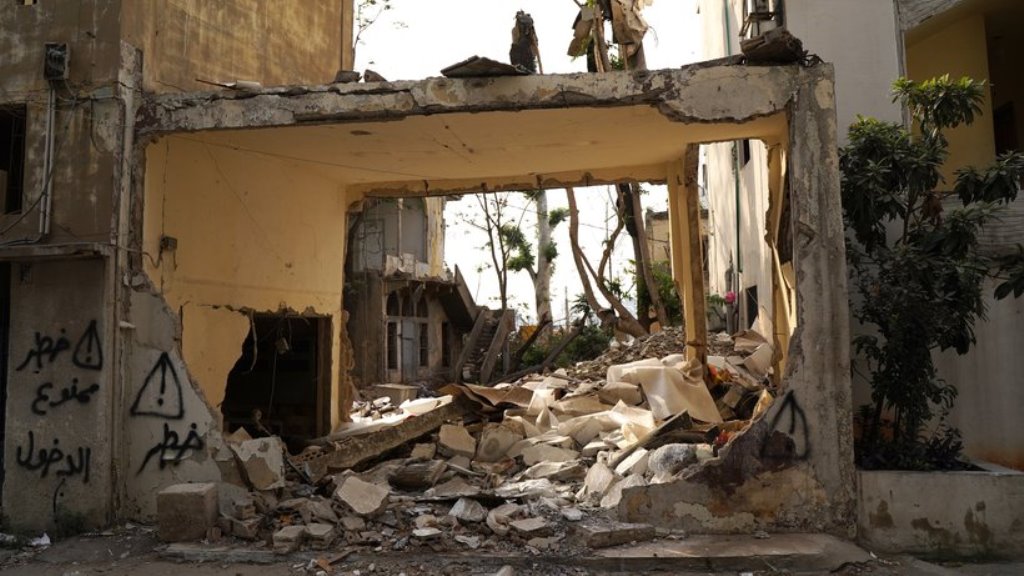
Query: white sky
point(416, 39)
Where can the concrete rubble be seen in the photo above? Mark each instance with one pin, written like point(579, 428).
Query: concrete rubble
point(528, 465)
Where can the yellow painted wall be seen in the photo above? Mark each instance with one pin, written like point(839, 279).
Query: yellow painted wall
point(274, 42)
point(254, 232)
point(959, 50)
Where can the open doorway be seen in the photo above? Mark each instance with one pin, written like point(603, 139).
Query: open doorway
point(281, 382)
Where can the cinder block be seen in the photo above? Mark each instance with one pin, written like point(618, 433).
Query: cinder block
point(186, 511)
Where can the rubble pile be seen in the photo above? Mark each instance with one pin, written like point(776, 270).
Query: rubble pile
point(533, 464)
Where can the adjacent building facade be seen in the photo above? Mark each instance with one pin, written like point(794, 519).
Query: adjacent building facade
point(871, 44)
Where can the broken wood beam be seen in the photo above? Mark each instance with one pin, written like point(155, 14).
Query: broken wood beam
point(351, 451)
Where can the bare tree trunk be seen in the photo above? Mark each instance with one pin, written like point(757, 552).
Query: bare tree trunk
point(542, 279)
point(496, 245)
point(619, 316)
point(630, 195)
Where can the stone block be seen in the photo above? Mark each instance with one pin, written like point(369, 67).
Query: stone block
point(398, 393)
point(614, 495)
point(456, 441)
point(288, 539)
point(320, 536)
point(531, 527)
point(186, 511)
point(262, 461)
point(248, 529)
point(424, 451)
point(599, 478)
point(547, 453)
point(605, 534)
point(495, 442)
point(363, 498)
point(468, 510)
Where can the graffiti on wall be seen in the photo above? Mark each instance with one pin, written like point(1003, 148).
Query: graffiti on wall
point(161, 396)
point(792, 441)
point(87, 354)
point(77, 358)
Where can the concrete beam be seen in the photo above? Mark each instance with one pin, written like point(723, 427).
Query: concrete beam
point(697, 93)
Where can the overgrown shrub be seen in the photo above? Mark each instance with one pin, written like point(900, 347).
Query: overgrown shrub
point(917, 268)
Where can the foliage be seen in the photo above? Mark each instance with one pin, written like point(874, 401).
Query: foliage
point(591, 343)
point(920, 284)
point(670, 299)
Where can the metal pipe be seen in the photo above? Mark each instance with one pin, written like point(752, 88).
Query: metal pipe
point(735, 152)
point(46, 202)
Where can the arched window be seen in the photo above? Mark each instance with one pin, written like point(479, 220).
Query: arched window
point(393, 305)
point(421, 307)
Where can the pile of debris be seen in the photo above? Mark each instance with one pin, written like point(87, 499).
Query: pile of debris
point(516, 466)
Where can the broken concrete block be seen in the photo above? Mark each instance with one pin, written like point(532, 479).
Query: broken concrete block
point(288, 539)
point(363, 498)
point(635, 463)
point(320, 536)
point(427, 533)
point(455, 488)
point(605, 534)
point(248, 529)
point(472, 541)
point(262, 462)
point(531, 527)
point(468, 510)
point(424, 451)
point(557, 471)
point(459, 462)
point(456, 441)
point(614, 495)
point(353, 523)
point(543, 543)
point(599, 478)
point(572, 514)
point(671, 459)
point(615, 392)
point(498, 519)
point(592, 448)
point(495, 442)
point(417, 475)
point(398, 393)
point(243, 508)
point(547, 453)
point(186, 511)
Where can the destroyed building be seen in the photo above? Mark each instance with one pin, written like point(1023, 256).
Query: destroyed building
point(191, 243)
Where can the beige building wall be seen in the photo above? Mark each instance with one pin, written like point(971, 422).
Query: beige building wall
point(959, 49)
point(274, 42)
point(253, 234)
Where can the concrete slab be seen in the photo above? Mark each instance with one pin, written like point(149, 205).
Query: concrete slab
point(795, 552)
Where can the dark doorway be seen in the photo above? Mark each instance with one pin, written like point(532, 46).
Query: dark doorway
point(281, 382)
point(5, 350)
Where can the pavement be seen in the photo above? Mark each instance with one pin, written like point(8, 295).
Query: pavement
point(138, 552)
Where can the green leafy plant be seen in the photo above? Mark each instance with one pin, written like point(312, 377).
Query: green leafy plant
point(917, 266)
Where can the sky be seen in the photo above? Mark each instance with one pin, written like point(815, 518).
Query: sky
point(416, 39)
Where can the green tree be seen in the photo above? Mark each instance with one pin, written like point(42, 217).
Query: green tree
point(917, 266)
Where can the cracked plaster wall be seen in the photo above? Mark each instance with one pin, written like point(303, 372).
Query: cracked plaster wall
point(253, 234)
point(230, 40)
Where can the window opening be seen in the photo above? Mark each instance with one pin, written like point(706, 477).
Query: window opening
point(424, 344)
point(280, 383)
point(392, 346)
point(12, 157)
